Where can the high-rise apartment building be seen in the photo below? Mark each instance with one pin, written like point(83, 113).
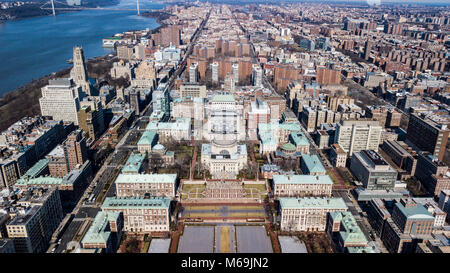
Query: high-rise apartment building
point(135, 101)
point(257, 75)
point(215, 72)
point(92, 120)
point(230, 83)
point(169, 35)
point(357, 135)
point(427, 134)
point(68, 156)
point(75, 150)
point(432, 172)
point(125, 51)
point(326, 75)
point(61, 100)
point(367, 49)
point(33, 229)
point(393, 118)
point(235, 71)
point(193, 73)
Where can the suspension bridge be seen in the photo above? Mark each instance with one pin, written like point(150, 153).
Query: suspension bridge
point(50, 5)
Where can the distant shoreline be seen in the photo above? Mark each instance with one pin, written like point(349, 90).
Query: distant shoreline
point(26, 96)
point(12, 101)
point(34, 11)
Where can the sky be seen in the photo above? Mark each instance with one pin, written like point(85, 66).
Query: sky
point(382, 1)
point(353, 1)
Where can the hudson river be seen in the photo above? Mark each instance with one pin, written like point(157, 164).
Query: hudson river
point(34, 47)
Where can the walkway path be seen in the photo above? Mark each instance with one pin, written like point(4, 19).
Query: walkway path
point(194, 161)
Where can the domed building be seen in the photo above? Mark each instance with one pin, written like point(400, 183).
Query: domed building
point(159, 148)
point(288, 149)
point(224, 158)
point(167, 156)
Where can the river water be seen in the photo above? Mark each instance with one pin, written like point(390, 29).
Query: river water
point(34, 47)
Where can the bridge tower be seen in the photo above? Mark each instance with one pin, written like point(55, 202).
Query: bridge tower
point(138, 12)
point(53, 8)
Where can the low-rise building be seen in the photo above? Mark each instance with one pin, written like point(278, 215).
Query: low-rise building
point(300, 141)
point(338, 156)
point(310, 164)
point(302, 185)
point(269, 170)
point(224, 158)
point(133, 164)
point(104, 233)
point(180, 129)
point(147, 141)
point(346, 234)
point(308, 213)
point(141, 215)
point(140, 185)
point(69, 187)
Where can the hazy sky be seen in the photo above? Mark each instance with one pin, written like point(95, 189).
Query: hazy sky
point(382, 1)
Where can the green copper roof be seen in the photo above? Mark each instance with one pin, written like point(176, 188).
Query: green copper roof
point(159, 147)
point(350, 232)
point(267, 138)
point(290, 126)
point(42, 180)
point(299, 139)
point(414, 212)
point(146, 178)
point(360, 249)
point(302, 179)
point(312, 202)
point(312, 163)
point(223, 98)
point(147, 138)
point(119, 203)
point(98, 232)
point(288, 147)
point(262, 127)
point(37, 168)
point(134, 163)
point(179, 124)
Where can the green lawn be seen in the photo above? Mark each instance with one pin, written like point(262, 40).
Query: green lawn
point(260, 187)
point(191, 187)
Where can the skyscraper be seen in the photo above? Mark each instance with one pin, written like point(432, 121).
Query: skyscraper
point(79, 71)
